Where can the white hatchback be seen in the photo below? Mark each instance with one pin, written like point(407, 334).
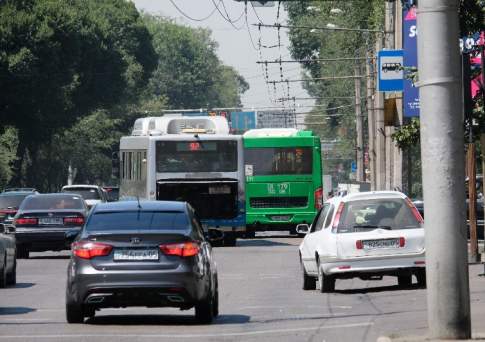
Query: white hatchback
point(367, 235)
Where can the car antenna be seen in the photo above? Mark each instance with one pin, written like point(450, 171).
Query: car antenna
point(138, 199)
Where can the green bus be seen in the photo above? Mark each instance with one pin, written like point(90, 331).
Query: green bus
point(283, 172)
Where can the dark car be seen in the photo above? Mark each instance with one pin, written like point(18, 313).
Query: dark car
point(149, 253)
point(8, 260)
point(48, 222)
point(10, 202)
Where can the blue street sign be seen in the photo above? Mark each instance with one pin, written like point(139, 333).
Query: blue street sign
point(410, 92)
point(353, 166)
point(390, 70)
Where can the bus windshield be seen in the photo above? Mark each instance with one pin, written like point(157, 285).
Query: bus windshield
point(266, 161)
point(196, 156)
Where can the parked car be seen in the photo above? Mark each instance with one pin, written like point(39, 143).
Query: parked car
point(8, 260)
point(10, 202)
point(367, 235)
point(92, 194)
point(48, 222)
point(148, 253)
point(112, 193)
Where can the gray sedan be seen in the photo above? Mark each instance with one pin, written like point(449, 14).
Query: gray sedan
point(149, 253)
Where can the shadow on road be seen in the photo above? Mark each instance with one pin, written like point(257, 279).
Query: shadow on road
point(380, 289)
point(258, 242)
point(40, 257)
point(22, 286)
point(163, 320)
point(20, 310)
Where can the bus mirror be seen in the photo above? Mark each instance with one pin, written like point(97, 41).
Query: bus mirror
point(303, 228)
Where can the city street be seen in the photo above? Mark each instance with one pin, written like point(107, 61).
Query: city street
point(261, 299)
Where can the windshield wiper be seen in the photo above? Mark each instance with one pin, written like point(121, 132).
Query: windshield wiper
point(369, 226)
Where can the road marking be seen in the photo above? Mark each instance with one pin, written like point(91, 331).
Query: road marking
point(249, 333)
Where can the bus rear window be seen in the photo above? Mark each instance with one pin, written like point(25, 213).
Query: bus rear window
point(267, 161)
point(197, 156)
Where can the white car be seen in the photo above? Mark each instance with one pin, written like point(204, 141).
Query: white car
point(92, 194)
point(367, 235)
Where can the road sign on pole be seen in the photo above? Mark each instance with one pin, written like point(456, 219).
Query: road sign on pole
point(390, 70)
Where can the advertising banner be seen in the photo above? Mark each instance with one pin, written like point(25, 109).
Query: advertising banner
point(410, 92)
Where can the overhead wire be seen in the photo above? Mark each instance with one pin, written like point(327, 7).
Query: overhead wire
point(191, 18)
point(228, 19)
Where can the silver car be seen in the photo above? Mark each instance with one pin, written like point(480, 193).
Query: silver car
point(149, 253)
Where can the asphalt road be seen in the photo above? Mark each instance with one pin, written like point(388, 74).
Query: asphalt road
point(261, 300)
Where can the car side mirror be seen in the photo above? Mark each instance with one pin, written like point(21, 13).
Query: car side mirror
point(214, 235)
point(303, 228)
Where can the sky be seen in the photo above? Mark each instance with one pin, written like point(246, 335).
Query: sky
point(237, 49)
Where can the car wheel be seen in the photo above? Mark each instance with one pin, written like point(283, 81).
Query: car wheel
point(3, 274)
point(74, 313)
point(421, 277)
point(204, 310)
point(404, 280)
point(22, 253)
point(327, 283)
point(309, 283)
point(215, 303)
point(12, 276)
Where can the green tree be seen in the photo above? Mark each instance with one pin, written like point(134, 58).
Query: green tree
point(59, 60)
point(189, 73)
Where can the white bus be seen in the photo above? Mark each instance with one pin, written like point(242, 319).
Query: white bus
point(192, 159)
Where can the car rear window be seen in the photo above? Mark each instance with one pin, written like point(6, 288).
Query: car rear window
point(86, 193)
point(129, 220)
point(367, 215)
point(52, 202)
point(11, 201)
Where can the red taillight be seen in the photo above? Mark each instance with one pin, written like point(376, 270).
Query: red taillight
point(337, 215)
point(318, 198)
point(26, 221)
point(184, 249)
point(402, 242)
point(90, 249)
point(344, 267)
point(74, 221)
point(359, 244)
point(415, 211)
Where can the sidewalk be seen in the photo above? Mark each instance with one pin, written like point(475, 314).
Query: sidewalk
point(477, 308)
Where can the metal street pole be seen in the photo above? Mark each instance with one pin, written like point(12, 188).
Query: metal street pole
point(359, 128)
point(380, 145)
point(442, 151)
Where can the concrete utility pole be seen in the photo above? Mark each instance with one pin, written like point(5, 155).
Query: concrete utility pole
point(443, 161)
point(371, 123)
point(380, 146)
point(359, 127)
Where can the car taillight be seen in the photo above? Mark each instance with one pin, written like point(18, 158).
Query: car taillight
point(26, 221)
point(415, 211)
point(90, 249)
point(74, 221)
point(337, 215)
point(359, 244)
point(318, 195)
point(402, 242)
point(184, 249)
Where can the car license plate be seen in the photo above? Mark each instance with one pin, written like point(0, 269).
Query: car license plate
point(50, 220)
point(281, 218)
point(381, 243)
point(136, 254)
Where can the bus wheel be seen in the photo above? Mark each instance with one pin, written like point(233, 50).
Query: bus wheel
point(293, 231)
point(250, 234)
point(229, 240)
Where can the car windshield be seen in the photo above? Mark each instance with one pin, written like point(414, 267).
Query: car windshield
point(370, 214)
point(11, 201)
point(129, 220)
point(86, 193)
point(52, 202)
